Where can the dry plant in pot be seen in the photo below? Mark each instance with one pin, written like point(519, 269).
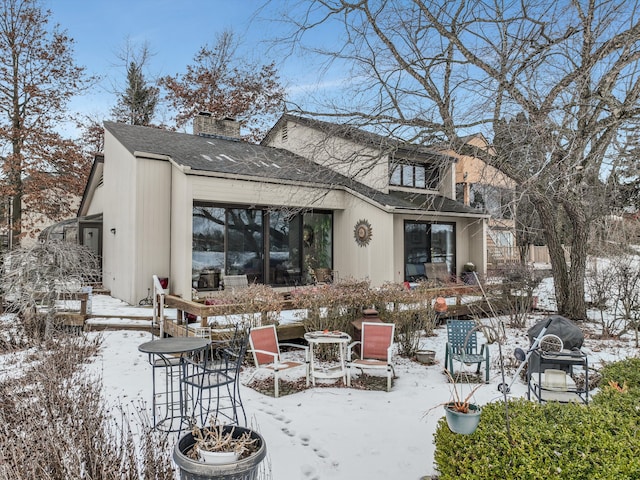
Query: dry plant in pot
point(461, 414)
point(220, 444)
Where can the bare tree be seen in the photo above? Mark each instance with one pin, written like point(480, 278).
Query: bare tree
point(33, 279)
point(567, 71)
point(37, 78)
point(222, 83)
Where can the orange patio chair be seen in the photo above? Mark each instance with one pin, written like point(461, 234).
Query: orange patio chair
point(375, 350)
point(266, 354)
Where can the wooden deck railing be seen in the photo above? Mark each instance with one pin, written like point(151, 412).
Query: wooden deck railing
point(180, 326)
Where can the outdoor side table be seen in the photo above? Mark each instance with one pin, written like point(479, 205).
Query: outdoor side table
point(341, 339)
point(169, 403)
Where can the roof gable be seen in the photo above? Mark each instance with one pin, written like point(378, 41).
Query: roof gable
point(382, 143)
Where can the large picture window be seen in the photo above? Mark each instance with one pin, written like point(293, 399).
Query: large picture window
point(269, 246)
point(428, 242)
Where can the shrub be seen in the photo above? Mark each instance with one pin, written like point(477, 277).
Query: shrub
point(335, 306)
point(548, 441)
point(552, 440)
point(54, 423)
point(332, 306)
point(411, 311)
point(257, 304)
point(627, 370)
point(620, 389)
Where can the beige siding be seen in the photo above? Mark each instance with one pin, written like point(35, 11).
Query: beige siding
point(97, 201)
point(152, 223)
point(136, 194)
point(348, 158)
point(479, 172)
point(448, 184)
point(119, 217)
point(181, 233)
point(472, 235)
point(370, 261)
point(474, 170)
point(262, 193)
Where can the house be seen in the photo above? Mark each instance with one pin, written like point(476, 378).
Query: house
point(314, 202)
point(54, 204)
point(485, 187)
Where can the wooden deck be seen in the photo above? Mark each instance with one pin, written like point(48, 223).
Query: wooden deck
point(73, 318)
point(193, 314)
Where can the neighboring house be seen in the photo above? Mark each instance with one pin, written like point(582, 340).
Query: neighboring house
point(312, 198)
point(34, 223)
point(486, 188)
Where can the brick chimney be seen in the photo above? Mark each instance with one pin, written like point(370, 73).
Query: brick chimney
point(206, 125)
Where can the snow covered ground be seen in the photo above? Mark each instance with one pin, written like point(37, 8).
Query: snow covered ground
point(337, 432)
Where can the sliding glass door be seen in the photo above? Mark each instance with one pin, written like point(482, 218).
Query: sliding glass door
point(428, 242)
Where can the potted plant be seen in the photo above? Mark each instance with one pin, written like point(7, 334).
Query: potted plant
point(220, 451)
point(462, 416)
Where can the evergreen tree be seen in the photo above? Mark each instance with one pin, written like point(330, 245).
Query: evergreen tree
point(137, 104)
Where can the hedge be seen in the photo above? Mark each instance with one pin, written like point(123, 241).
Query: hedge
point(552, 440)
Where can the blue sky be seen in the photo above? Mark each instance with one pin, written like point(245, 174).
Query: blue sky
point(174, 30)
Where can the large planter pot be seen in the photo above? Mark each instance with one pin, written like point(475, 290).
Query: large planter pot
point(244, 469)
point(463, 423)
point(427, 357)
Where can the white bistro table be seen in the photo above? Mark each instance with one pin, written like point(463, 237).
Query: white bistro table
point(341, 339)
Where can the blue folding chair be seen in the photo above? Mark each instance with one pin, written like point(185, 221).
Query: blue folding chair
point(462, 346)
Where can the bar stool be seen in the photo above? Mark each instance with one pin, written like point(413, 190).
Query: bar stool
point(214, 384)
point(167, 357)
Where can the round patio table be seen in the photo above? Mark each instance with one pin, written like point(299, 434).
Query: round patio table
point(170, 403)
point(323, 338)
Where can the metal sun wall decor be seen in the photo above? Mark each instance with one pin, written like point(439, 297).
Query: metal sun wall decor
point(362, 232)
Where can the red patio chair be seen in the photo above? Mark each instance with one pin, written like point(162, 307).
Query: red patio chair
point(266, 354)
point(375, 350)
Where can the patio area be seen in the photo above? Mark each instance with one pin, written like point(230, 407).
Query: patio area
point(332, 431)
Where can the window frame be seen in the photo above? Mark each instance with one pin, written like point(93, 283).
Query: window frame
point(423, 176)
point(419, 242)
point(296, 273)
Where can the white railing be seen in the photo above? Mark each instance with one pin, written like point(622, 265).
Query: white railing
point(158, 304)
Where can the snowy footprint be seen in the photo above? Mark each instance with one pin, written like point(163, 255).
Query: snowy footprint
point(308, 471)
point(322, 453)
